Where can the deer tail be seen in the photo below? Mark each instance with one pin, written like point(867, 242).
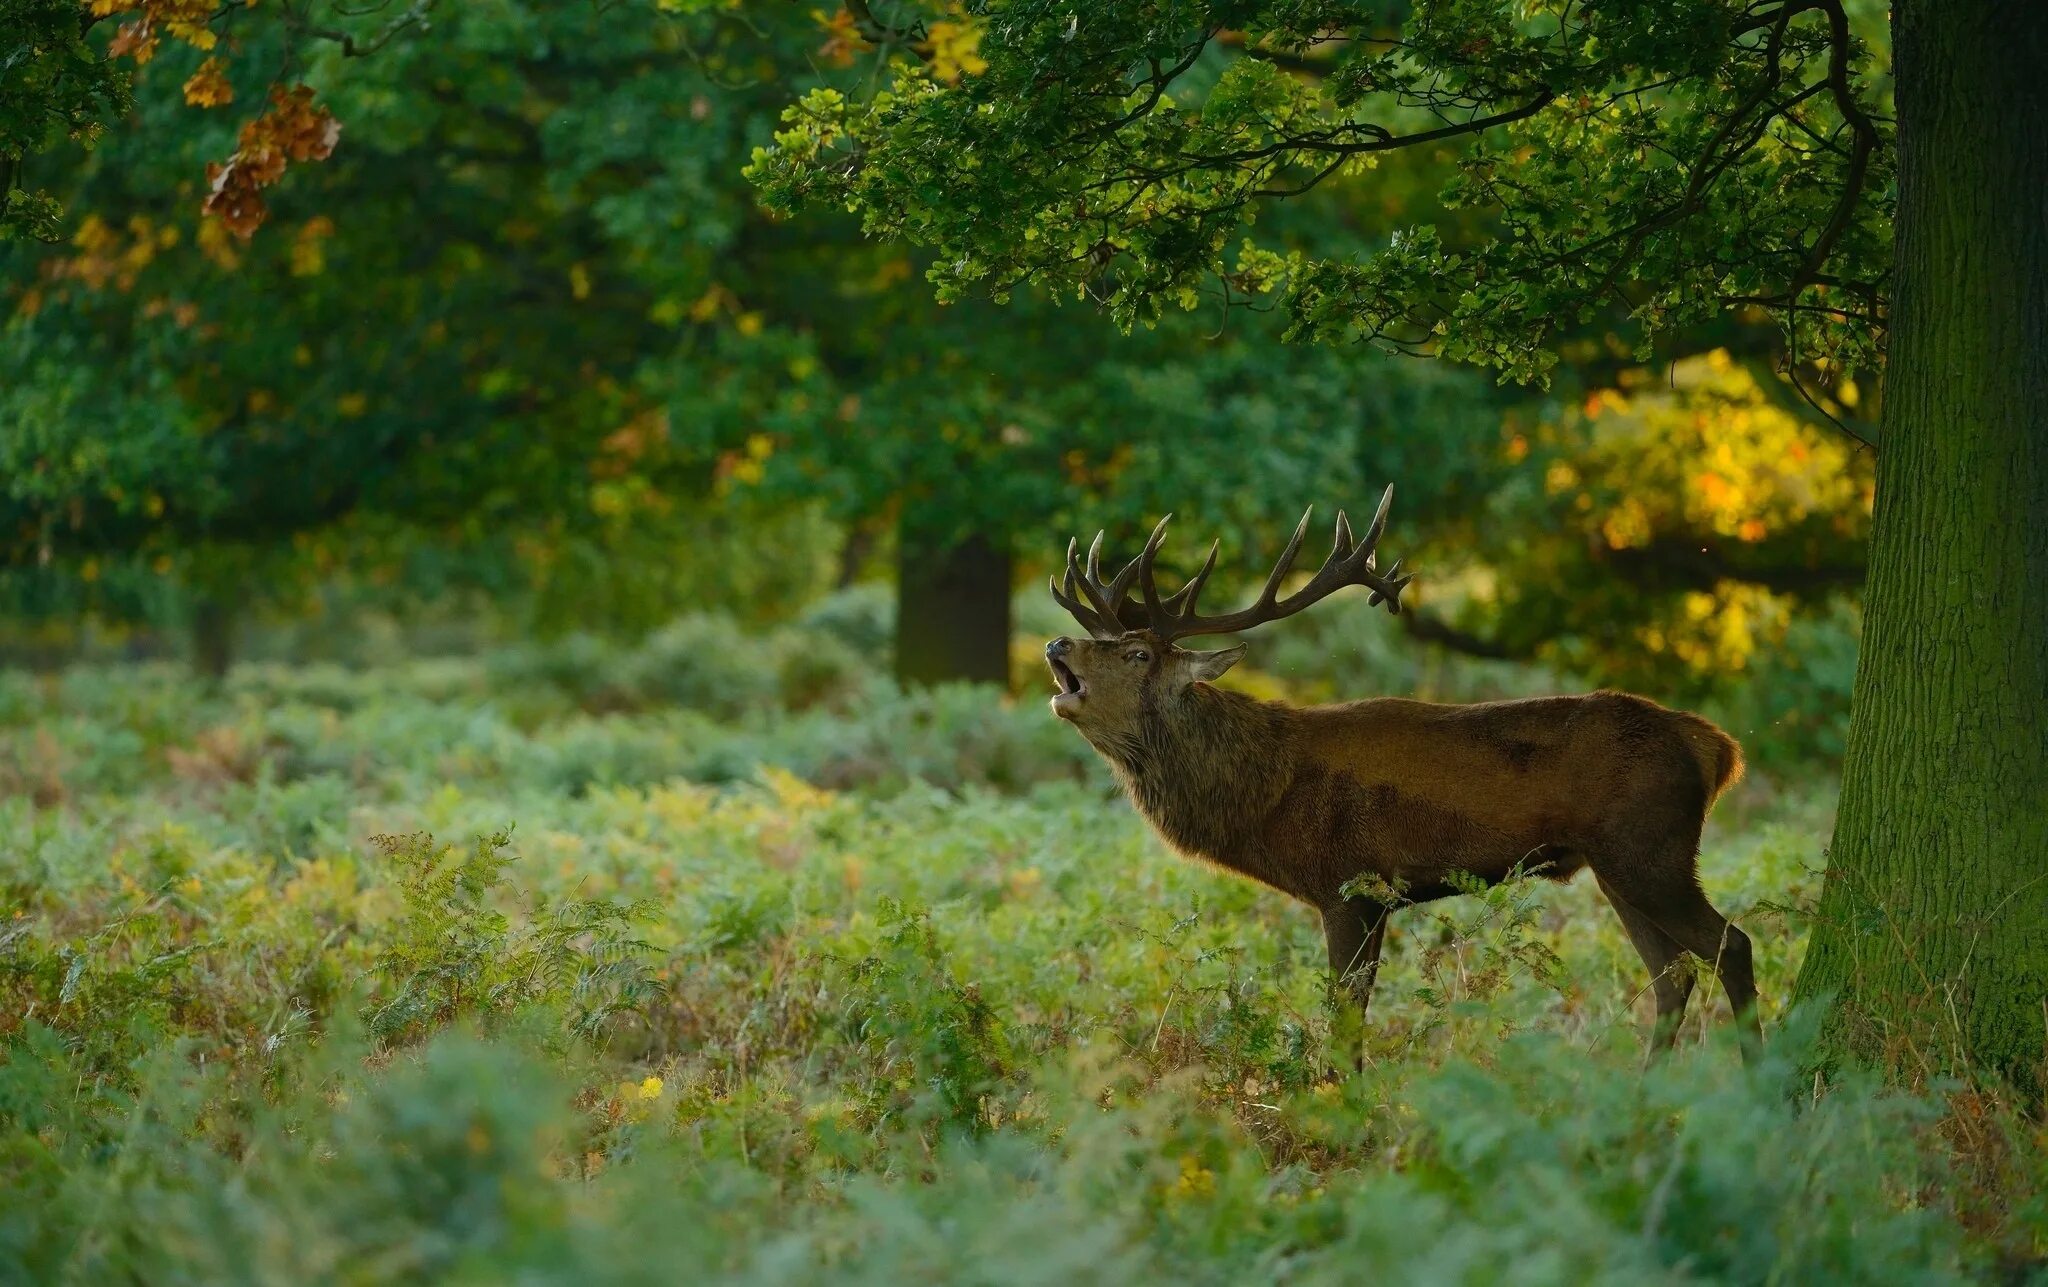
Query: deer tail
point(1719, 755)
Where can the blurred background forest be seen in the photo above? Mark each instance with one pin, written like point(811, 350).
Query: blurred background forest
point(459, 448)
point(524, 364)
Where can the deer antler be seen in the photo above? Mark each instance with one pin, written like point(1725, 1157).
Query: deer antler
point(1108, 611)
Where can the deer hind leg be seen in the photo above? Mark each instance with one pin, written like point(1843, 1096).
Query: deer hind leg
point(1665, 889)
point(1670, 981)
point(1690, 919)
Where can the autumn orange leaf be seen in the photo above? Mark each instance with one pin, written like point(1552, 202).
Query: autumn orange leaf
point(209, 86)
point(290, 129)
point(843, 40)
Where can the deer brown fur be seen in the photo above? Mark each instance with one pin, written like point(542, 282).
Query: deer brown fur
point(1308, 800)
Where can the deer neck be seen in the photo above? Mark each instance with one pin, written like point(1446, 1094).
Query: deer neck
point(1206, 769)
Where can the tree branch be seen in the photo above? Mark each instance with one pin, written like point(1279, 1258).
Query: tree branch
point(1435, 630)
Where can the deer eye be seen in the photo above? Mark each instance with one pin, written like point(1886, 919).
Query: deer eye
point(1137, 654)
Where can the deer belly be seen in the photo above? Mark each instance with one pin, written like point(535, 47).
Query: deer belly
point(1417, 842)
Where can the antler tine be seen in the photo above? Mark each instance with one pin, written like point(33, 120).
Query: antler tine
point(1286, 561)
point(1103, 614)
point(1350, 563)
point(1391, 595)
point(1174, 616)
point(1068, 600)
point(1135, 569)
point(1183, 599)
point(1105, 624)
point(1378, 526)
point(1154, 614)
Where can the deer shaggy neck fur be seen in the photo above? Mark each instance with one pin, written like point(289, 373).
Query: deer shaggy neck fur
point(1206, 767)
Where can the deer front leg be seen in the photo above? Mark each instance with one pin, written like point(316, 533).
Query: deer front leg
point(1355, 930)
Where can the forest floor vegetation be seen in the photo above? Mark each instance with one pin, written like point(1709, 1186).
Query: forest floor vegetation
point(443, 970)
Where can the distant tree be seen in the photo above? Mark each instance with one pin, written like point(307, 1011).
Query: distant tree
point(527, 329)
point(532, 309)
point(1645, 160)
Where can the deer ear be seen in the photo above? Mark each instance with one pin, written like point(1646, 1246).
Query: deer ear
point(1209, 665)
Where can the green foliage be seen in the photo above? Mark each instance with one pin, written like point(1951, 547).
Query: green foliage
point(453, 956)
point(529, 345)
point(1740, 155)
point(893, 1033)
point(933, 1045)
point(57, 86)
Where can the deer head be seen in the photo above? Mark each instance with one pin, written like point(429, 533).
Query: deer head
point(1132, 668)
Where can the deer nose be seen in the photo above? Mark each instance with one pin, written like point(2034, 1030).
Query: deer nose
point(1059, 647)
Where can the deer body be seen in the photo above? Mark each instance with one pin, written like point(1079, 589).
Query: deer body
point(1306, 800)
point(1309, 799)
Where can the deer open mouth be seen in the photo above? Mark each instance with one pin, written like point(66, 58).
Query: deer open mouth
point(1070, 685)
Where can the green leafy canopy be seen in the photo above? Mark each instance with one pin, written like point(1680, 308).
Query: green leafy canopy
point(1663, 161)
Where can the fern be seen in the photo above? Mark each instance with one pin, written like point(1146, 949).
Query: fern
point(454, 956)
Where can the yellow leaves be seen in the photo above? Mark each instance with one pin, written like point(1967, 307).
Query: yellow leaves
point(208, 87)
point(1196, 1180)
point(843, 41)
point(309, 247)
point(1716, 632)
point(708, 304)
point(218, 245)
point(1602, 401)
point(1714, 453)
point(186, 21)
point(952, 49)
point(749, 466)
point(720, 299)
point(579, 281)
point(106, 255)
point(1699, 464)
point(352, 405)
point(1627, 526)
point(795, 796)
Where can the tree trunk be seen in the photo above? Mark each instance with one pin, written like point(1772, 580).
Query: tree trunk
point(952, 609)
point(213, 637)
point(1933, 929)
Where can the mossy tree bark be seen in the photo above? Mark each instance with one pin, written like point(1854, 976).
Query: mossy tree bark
point(1933, 929)
point(952, 606)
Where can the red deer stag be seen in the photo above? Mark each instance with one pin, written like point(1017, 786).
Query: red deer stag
point(1307, 800)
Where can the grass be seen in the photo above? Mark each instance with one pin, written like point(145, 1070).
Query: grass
point(883, 989)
